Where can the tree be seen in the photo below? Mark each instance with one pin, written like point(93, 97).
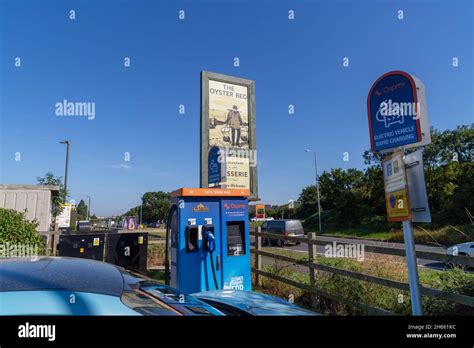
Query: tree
point(81, 210)
point(16, 229)
point(307, 203)
point(353, 198)
point(57, 201)
point(155, 205)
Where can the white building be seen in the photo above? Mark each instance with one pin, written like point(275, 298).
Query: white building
point(35, 199)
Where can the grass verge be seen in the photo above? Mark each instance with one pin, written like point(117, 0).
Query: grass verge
point(383, 266)
point(445, 236)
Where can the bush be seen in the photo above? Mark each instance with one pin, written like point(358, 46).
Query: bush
point(15, 229)
point(455, 281)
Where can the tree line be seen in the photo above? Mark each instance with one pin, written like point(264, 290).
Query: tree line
point(353, 198)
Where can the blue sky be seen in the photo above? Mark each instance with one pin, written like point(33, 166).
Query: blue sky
point(295, 62)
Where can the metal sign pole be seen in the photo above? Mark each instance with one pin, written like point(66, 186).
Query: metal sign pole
point(413, 279)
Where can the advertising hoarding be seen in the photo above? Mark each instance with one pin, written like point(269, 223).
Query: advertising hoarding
point(63, 220)
point(228, 123)
point(260, 211)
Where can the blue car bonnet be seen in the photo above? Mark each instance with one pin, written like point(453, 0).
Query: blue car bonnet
point(253, 303)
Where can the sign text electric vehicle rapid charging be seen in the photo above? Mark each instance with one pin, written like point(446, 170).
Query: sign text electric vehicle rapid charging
point(208, 244)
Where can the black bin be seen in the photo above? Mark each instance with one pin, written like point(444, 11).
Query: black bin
point(87, 246)
point(128, 250)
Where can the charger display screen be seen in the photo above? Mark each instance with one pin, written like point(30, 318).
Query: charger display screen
point(235, 238)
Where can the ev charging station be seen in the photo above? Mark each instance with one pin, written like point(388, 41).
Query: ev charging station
point(208, 238)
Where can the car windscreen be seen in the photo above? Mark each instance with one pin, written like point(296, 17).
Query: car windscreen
point(227, 309)
point(148, 296)
point(183, 303)
point(294, 226)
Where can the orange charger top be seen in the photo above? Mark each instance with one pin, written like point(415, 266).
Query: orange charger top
point(210, 192)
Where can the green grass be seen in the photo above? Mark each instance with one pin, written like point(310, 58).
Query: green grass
point(360, 234)
point(301, 256)
point(256, 223)
point(155, 232)
point(388, 267)
point(445, 236)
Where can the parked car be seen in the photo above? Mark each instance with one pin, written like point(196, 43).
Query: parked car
point(292, 228)
point(249, 303)
point(464, 249)
point(45, 287)
point(154, 224)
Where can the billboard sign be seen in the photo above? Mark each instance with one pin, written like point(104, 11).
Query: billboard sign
point(228, 127)
point(397, 112)
point(260, 211)
point(129, 223)
point(396, 188)
point(63, 220)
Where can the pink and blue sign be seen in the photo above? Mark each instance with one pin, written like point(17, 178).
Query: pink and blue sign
point(393, 111)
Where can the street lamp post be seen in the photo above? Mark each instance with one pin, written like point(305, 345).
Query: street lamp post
point(141, 210)
point(89, 208)
point(67, 142)
point(317, 185)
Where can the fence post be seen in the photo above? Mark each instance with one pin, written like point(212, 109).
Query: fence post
point(312, 254)
point(258, 258)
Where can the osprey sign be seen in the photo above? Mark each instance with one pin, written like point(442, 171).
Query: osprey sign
point(397, 112)
point(398, 118)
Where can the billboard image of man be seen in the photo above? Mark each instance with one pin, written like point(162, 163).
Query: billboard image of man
point(234, 121)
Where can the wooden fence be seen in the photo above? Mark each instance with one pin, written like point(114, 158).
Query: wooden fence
point(313, 267)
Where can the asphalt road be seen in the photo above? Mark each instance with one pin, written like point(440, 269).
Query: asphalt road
point(320, 249)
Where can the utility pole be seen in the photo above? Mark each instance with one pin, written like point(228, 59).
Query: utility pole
point(67, 142)
point(89, 208)
point(317, 185)
point(141, 209)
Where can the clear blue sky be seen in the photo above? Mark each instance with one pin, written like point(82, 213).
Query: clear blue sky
point(292, 62)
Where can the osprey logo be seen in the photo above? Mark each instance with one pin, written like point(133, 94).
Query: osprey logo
point(233, 206)
point(37, 331)
point(201, 208)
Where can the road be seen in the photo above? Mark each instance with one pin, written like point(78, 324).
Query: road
point(320, 249)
